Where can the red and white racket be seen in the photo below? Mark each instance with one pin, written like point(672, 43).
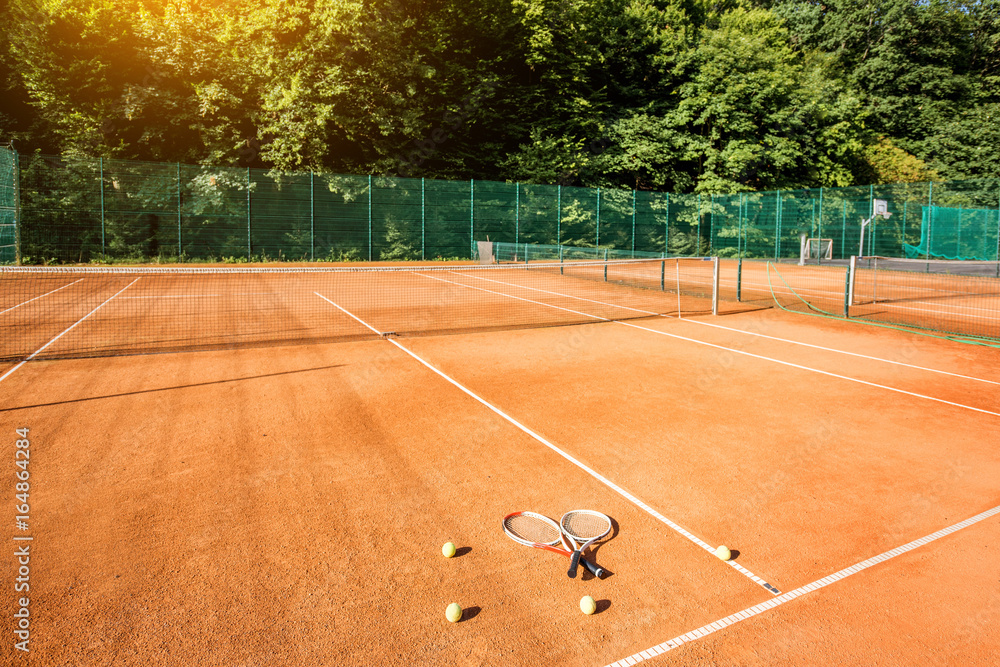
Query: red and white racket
point(534, 530)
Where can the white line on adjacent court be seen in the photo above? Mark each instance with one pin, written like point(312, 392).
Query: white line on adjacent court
point(39, 297)
point(758, 609)
point(579, 464)
point(749, 333)
point(73, 326)
point(812, 370)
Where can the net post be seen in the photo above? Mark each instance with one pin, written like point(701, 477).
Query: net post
point(423, 221)
point(370, 252)
point(249, 237)
point(605, 265)
point(715, 285)
point(739, 279)
point(312, 215)
point(852, 273)
point(663, 272)
point(847, 289)
point(560, 260)
point(103, 246)
point(472, 216)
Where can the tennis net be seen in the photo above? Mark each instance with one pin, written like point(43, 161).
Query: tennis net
point(959, 297)
point(66, 312)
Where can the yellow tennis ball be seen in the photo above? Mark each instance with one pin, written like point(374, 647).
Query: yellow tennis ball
point(448, 549)
point(587, 605)
point(723, 552)
point(453, 613)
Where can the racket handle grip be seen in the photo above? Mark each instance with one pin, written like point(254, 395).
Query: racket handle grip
point(574, 563)
point(594, 569)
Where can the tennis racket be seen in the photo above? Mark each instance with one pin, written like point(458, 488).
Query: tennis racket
point(541, 532)
point(586, 527)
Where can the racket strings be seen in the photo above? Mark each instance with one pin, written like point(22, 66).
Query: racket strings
point(585, 526)
point(532, 529)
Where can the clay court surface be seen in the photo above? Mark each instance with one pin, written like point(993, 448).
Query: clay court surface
point(286, 504)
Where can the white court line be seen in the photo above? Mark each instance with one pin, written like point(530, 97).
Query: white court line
point(590, 471)
point(758, 609)
point(812, 370)
point(351, 315)
point(39, 350)
point(39, 297)
point(749, 333)
point(755, 356)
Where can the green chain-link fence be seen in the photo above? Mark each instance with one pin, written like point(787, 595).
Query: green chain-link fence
point(8, 206)
point(80, 210)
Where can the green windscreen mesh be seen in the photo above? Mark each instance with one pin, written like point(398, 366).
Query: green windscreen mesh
point(90, 209)
point(956, 233)
point(8, 206)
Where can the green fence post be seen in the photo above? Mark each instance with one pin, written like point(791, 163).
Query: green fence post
point(423, 221)
point(517, 213)
point(711, 225)
point(777, 225)
point(930, 218)
point(370, 239)
point(633, 224)
point(997, 257)
point(598, 239)
point(180, 213)
point(17, 208)
point(843, 233)
point(249, 238)
point(312, 215)
point(559, 219)
point(819, 225)
point(472, 217)
point(739, 230)
point(699, 231)
point(666, 230)
point(103, 248)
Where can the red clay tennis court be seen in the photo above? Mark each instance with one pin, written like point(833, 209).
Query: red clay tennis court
point(276, 489)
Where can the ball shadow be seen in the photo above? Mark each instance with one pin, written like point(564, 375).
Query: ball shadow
point(461, 551)
point(602, 605)
point(469, 613)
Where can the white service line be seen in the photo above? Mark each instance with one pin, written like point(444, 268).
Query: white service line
point(811, 370)
point(351, 315)
point(853, 354)
point(39, 297)
point(73, 326)
point(758, 609)
point(749, 333)
point(579, 464)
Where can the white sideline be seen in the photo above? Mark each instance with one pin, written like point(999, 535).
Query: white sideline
point(757, 609)
point(39, 350)
point(579, 464)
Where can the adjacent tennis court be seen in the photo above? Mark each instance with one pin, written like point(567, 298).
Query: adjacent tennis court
point(259, 466)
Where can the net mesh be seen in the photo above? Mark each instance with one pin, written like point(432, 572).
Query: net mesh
point(58, 312)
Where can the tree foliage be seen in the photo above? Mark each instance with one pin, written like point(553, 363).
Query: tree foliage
point(678, 95)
